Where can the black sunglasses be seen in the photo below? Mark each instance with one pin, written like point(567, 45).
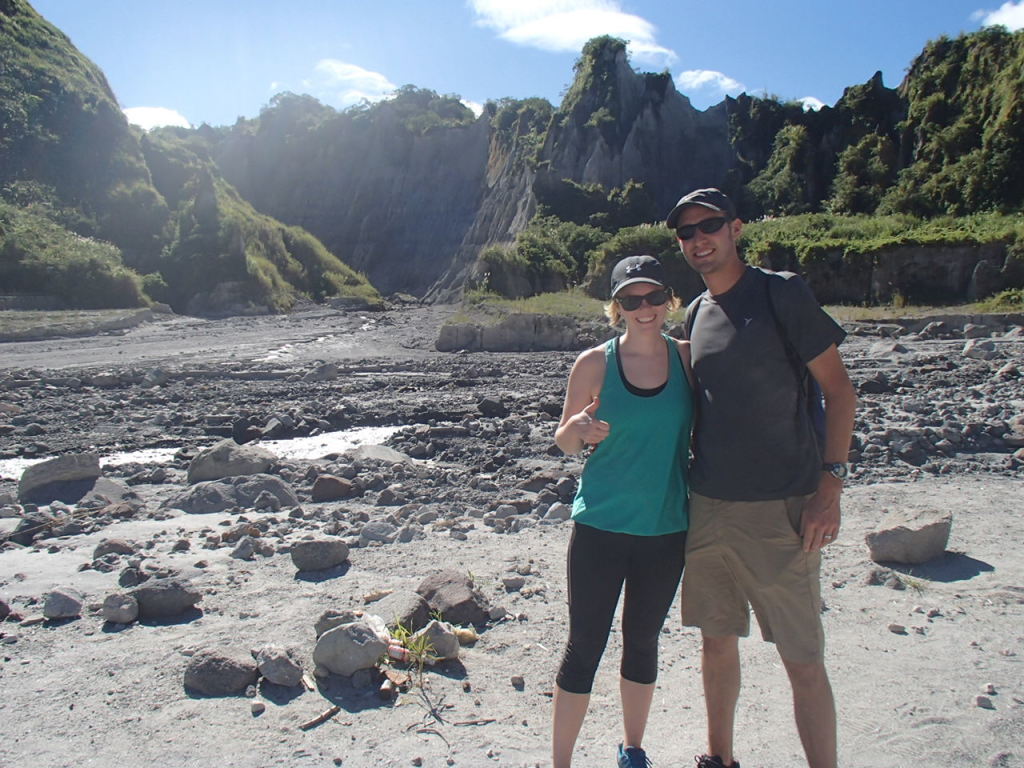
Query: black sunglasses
point(654, 299)
point(708, 226)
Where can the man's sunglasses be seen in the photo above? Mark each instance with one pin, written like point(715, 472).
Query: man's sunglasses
point(654, 299)
point(708, 226)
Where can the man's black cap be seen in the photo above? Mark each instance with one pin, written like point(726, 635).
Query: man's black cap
point(714, 199)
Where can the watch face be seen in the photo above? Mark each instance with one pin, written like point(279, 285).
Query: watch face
point(838, 471)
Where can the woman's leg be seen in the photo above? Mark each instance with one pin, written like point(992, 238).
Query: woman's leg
point(655, 567)
point(596, 570)
point(568, 711)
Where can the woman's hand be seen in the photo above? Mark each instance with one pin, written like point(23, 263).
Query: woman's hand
point(587, 427)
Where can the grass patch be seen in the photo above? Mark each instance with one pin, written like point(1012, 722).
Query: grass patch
point(486, 308)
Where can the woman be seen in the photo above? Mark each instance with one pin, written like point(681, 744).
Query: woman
point(631, 400)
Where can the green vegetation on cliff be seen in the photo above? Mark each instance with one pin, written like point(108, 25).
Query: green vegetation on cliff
point(82, 272)
point(61, 127)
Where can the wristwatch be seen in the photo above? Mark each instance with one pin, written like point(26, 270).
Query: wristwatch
point(839, 470)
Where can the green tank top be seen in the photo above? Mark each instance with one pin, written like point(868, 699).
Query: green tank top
point(634, 482)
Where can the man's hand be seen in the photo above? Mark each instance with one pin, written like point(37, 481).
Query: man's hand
point(819, 524)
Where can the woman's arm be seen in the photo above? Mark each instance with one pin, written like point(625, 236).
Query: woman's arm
point(579, 425)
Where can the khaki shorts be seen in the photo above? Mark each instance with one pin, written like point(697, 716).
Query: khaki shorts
point(742, 554)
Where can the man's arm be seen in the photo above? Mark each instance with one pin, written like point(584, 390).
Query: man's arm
point(821, 518)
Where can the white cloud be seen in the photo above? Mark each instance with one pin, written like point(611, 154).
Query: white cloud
point(474, 106)
point(565, 25)
point(1010, 14)
point(708, 82)
point(811, 104)
point(341, 84)
point(153, 117)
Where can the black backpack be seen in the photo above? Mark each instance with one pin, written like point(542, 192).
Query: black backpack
point(809, 395)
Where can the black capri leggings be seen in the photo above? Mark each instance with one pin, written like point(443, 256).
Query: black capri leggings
point(599, 563)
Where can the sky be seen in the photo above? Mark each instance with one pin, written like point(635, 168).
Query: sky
point(188, 62)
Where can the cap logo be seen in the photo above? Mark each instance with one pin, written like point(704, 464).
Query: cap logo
point(632, 269)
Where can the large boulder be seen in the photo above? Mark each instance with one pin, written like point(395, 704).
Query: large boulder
point(229, 459)
point(278, 665)
point(219, 673)
point(911, 537)
point(348, 648)
point(319, 554)
point(63, 603)
point(403, 608)
point(65, 478)
point(455, 597)
point(165, 598)
point(221, 495)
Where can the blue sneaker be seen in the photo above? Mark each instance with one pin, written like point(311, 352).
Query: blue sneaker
point(633, 757)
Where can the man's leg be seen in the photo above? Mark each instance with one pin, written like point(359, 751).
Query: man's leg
point(721, 671)
point(815, 712)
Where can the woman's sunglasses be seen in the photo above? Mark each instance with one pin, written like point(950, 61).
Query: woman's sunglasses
point(654, 299)
point(708, 226)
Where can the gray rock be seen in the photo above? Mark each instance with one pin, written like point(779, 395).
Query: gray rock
point(443, 642)
point(410, 532)
point(120, 608)
point(558, 511)
point(67, 478)
point(63, 603)
point(323, 372)
point(319, 554)
point(911, 537)
point(980, 349)
point(455, 597)
point(333, 617)
point(249, 490)
point(204, 499)
point(229, 459)
point(403, 608)
point(115, 547)
point(218, 673)
point(245, 549)
point(348, 648)
point(278, 666)
point(491, 407)
point(331, 488)
point(165, 598)
point(221, 495)
point(5, 609)
point(377, 530)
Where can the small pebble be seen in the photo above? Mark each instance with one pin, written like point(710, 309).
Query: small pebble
point(258, 707)
point(984, 702)
point(897, 629)
point(518, 682)
point(990, 689)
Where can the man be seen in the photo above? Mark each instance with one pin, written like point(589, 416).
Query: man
point(764, 494)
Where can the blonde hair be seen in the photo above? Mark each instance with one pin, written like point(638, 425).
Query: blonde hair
point(614, 315)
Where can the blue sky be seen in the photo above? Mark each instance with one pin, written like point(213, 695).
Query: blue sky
point(213, 61)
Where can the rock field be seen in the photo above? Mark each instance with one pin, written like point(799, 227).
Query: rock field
point(125, 584)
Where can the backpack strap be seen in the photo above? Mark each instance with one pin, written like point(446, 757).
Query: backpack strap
point(809, 395)
point(691, 315)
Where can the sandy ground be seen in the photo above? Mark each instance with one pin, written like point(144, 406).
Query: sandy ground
point(80, 692)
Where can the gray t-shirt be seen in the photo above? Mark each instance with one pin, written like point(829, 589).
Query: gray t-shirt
point(753, 439)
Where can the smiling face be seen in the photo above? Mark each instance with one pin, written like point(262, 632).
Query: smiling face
point(645, 315)
point(712, 255)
